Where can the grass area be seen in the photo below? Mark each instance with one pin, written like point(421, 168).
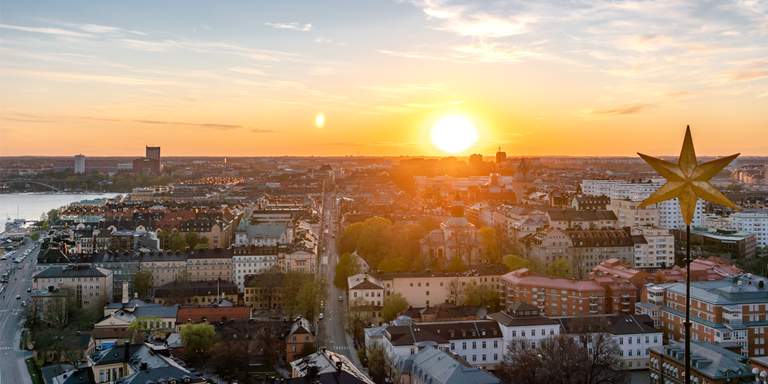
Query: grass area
point(34, 371)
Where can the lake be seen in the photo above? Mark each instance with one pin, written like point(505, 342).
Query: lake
point(31, 205)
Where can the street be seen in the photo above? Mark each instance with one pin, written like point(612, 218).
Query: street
point(12, 366)
point(332, 330)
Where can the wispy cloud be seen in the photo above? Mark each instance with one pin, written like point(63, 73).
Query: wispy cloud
point(45, 30)
point(292, 26)
point(621, 110)
point(44, 118)
point(66, 76)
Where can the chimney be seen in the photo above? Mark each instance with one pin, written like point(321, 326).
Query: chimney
point(339, 364)
point(125, 296)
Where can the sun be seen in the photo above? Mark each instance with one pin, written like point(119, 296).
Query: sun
point(320, 120)
point(454, 134)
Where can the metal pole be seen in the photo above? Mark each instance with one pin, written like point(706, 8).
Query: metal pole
point(688, 304)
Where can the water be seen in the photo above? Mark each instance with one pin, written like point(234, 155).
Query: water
point(32, 205)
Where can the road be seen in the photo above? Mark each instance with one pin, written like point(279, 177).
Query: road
point(332, 329)
point(12, 366)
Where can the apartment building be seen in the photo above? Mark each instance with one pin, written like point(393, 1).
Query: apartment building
point(434, 366)
point(629, 214)
point(752, 221)
point(423, 289)
point(166, 267)
point(653, 247)
point(210, 265)
point(88, 285)
point(730, 310)
point(252, 261)
point(365, 290)
point(522, 324)
point(710, 363)
point(574, 219)
point(554, 296)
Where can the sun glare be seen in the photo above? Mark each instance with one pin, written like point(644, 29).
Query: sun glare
point(454, 134)
point(320, 120)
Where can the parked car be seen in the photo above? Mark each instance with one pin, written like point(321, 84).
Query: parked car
point(340, 298)
point(321, 316)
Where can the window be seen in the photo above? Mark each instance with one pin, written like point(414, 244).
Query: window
point(463, 345)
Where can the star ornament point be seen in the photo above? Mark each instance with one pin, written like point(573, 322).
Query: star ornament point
point(688, 180)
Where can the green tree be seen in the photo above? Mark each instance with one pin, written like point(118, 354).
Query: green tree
point(482, 295)
point(376, 362)
point(194, 241)
point(301, 294)
point(514, 262)
point(393, 305)
point(197, 340)
point(559, 268)
point(142, 283)
point(489, 244)
point(456, 265)
point(346, 267)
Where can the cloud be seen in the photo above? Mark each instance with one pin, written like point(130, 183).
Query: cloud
point(622, 110)
point(261, 130)
point(80, 76)
point(248, 71)
point(44, 30)
point(467, 22)
point(45, 118)
point(292, 26)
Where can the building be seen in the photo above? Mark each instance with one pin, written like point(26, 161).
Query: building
point(434, 366)
point(554, 296)
point(590, 203)
point(365, 290)
point(88, 286)
point(669, 210)
point(137, 363)
point(195, 292)
point(152, 153)
point(522, 324)
point(573, 219)
point(211, 314)
point(326, 367)
point(730, 310)
point(752, 221)
point(629, 214)
point(653, 247)
point(166, 266)
point(251, 260)
point(480, 342)
point(710, 363)
point(590, 247)
point(79, 164)
point(456, 238)
point(210, 265)
point(300, 339)
point(634, 335)
point(727, 244)
point(263, 233)
point(424, 289)
point(50, 306)
point(264, 292)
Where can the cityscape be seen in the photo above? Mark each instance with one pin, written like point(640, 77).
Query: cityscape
point(404, 192)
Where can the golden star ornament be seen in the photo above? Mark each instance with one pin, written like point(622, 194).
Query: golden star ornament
point(688, 180)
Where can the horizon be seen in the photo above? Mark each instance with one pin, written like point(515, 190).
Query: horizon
point(372, 78)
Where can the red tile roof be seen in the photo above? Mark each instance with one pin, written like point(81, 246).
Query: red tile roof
point(212, 314)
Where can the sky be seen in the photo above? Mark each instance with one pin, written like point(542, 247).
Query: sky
point(247, 78)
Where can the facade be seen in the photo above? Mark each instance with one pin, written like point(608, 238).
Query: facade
point(134, 364)
point(456, 238)
point(730, 310)
point(79, 164)
point(629, 214)
point(325, 366)
point(50, 307)
point(522, 324)
point(710, 363)
point(752, 221)
point(653, 247)
point(264, 293)
point(263, 233)
point(166, 267)
point(300, 339)
point(298, 259)
point(365, 290)
point(728, 244)
point(196, 292)
point(89, 286)
point(590, 203)
point(252, 261)
point(573, 219)
point(634, 335)
point(554, 296)
point(590, 247)
point(480, 343)
point(210, 265)
point(429, 289)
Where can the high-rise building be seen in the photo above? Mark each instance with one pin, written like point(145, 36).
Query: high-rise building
point(501, 156)
point(153, 153)
point(79, 164)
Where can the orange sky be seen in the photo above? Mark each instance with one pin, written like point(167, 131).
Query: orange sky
point(248, 79)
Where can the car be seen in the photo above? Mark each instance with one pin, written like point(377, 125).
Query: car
point(23, 303)
point(321, 316)
point(29, 290)
point(18, 297)
point(340, 298)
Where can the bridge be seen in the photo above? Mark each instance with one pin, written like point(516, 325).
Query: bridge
point(25, 181)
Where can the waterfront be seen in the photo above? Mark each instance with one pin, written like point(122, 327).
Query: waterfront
point(31, 205)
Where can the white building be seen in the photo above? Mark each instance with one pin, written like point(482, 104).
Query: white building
point(79, 164)
point(365, 290)
point(522, 324)
point(252, 261)
point(263, 234)
point(669, 210)
point(753, 221)
point(633, 334)
point(653, 247)
point(479, 342)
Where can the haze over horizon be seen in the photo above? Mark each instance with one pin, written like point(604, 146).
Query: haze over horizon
point(583, 78)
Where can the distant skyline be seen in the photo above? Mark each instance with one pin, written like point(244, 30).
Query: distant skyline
point(244, 78)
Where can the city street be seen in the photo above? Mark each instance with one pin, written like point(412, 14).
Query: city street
point(332, 329)
point(12, 366)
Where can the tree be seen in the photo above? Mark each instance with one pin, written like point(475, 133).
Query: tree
point(142, 283)
point(482, 295)
point(194, 241)
point(489, 244)
point(559, 268)
point(592, 358)
point(514, 262)
point(456, 265)
point(301, 294)
point(377, 363)
point(230, 359)
point(393, 305)
point(197, 340)
point(346, 267)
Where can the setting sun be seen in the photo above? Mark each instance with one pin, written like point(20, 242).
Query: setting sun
point(454, 134)
point(320, 120)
